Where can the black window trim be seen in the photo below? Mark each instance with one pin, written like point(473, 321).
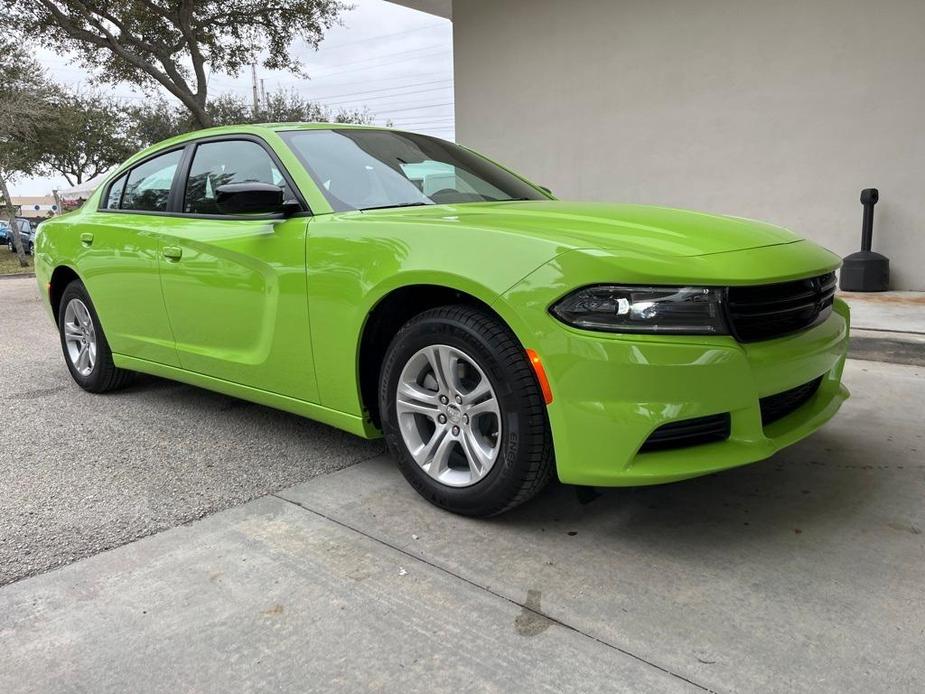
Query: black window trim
point(127, 171)
point(124, 178)
point(178, 184)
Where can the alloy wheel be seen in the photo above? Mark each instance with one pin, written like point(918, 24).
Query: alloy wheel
point(449, 415)
point(80, 337)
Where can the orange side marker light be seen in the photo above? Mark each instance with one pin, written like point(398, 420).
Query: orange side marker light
point(540, 372)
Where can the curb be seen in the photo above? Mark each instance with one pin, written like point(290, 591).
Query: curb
point(890, 347)
point(17, 276)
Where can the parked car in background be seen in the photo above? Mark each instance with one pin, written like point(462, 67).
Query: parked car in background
point(392, 283)
point(26, 235)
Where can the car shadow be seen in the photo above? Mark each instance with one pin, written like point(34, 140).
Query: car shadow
point(808, 488)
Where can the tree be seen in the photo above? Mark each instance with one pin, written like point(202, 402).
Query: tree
point(158, 120)
point(172, 43)
point(28, 118)
point(92, 136)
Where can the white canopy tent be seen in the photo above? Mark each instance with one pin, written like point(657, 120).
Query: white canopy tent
point(83, 190)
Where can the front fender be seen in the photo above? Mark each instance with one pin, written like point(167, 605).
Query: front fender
point(355, 261)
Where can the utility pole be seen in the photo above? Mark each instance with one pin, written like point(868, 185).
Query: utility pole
point(263, 94)
point(254, 87)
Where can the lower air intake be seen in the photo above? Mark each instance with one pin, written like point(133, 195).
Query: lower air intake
point(778, 406)
point(688, 432)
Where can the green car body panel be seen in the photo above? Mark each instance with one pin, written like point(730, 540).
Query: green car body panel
point(274, 310)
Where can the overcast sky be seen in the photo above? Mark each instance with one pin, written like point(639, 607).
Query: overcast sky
point(395, 61)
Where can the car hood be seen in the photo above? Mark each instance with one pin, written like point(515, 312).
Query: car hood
point(639, 228)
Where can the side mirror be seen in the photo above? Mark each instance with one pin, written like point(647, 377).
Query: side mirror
point(252, 198)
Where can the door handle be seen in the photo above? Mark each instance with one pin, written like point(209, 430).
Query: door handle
point(86, 238)
point(172, 253)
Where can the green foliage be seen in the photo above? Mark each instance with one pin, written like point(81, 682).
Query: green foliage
point(92, 136)
point(172, 43)
point(27, 110)
point(27, 120)
point(160, 119)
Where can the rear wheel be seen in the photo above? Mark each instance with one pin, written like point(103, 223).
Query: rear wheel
point(463, 413)
point(86, 351)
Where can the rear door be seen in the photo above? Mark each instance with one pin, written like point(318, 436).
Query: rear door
point(234, 285)
point(118, 259)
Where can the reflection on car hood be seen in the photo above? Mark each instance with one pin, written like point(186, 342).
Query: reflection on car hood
point(644, 228)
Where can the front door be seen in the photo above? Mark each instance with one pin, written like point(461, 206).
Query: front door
point(235, 286)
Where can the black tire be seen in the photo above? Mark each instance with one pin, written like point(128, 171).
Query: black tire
point(104, 376)
point(525, 460)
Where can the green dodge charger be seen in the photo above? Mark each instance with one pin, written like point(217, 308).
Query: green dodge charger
point(394, 284)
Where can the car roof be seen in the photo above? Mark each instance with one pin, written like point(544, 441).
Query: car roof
point(247, 128)
point(257, 127)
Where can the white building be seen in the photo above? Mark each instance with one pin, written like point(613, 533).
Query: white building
point(781, 111)
point(34, 207)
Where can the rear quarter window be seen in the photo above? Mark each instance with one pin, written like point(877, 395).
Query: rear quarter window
point(114, 197)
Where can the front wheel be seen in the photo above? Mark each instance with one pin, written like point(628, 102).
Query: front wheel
point(463, 413)
point(86, 351)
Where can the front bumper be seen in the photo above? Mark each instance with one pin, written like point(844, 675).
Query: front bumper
point(611, 392)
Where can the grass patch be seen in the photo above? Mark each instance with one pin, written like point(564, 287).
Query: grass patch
point(9, 263)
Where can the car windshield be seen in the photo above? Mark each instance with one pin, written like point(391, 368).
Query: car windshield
point(373, 169)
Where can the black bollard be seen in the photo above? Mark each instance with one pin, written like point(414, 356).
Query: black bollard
point(866, 271)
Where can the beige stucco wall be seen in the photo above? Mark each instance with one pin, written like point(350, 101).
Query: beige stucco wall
point(775, 109)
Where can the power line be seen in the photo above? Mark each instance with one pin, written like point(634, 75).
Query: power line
point(425, 116)
point(422, 118)
point(447, 126)
point(391, 90)
point(338, 46)
point(427, 100)
point(368, 67)
point(418, 108)
point(436, 49)
point(410, 51)
point(384, 80)
point(368, 99)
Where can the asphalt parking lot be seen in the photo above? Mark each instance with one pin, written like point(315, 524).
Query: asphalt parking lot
point(800, 573)
point(82, 473)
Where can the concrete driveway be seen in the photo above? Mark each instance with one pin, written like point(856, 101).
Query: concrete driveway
point(801, 573)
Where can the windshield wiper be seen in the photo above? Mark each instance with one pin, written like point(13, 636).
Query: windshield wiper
point(400, 204)
point(507, 199)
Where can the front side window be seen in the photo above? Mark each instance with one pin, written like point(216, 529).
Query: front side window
point(231, 161)
point(358, 169)
point(148, 184)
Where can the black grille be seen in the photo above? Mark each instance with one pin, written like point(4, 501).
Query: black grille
point(767, 311)
point(688, 432)
point(775, 407)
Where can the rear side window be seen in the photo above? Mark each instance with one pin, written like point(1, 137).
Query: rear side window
point(148, 184)
point(231, 161)
point(115, 193)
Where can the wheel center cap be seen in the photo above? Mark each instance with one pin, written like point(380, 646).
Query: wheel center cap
point(453, 414)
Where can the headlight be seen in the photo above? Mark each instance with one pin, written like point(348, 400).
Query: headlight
point(677, 310)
